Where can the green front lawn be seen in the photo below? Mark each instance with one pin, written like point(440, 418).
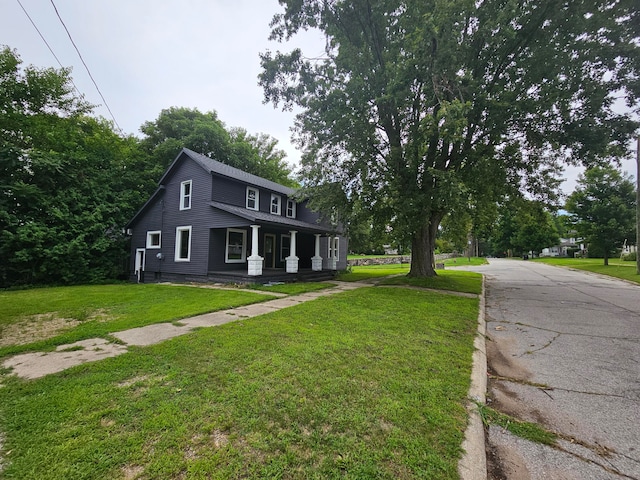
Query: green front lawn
point(370, 383)
point(83, 312)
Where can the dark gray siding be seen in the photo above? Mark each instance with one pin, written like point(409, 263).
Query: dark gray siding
point(150, 221)
point(226, 190)
point(166, 215)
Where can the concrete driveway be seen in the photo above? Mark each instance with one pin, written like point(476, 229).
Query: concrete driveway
point(564, 351)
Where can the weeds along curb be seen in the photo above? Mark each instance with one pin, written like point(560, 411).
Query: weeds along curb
point(473, 464)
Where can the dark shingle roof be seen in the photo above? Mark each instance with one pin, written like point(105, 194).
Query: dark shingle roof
point(262, 217)
point(228, 171)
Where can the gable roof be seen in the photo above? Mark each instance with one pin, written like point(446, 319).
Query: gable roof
point(213, 166)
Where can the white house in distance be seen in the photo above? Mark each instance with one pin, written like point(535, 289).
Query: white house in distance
point(563, 248)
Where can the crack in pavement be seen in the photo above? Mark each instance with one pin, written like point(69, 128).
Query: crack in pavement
point(575, 334)
point(609, 469)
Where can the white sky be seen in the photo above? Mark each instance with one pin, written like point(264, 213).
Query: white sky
point(149, 55)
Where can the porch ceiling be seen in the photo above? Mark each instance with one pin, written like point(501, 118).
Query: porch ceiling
point(269, 219)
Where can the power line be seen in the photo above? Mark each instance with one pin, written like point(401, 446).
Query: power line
point(48, 46)
point(85, 66)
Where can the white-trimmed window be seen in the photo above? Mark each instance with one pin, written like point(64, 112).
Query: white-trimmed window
point(285, 247)
point(275, 204)
point(183, 244)
point(334, 247)
point(154, 239)
point(236, 249)
point(291, 208)
point(185, 195)
point(253, 198)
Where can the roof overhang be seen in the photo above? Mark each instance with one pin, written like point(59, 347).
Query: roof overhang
point(274, 220)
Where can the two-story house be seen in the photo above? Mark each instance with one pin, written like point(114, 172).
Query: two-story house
point(209, 222)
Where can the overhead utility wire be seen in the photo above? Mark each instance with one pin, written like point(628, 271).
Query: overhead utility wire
point(47, 44)
point(85, 66)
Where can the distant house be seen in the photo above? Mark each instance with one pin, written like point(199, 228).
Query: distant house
point(563, 249)
point(209, 222)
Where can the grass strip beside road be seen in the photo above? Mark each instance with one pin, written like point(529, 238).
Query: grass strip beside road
point(370, 383)
point(617, 268)
point(452, 280)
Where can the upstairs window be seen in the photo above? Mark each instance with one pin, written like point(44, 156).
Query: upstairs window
point(185, 195)
point(275, 204)
point(253, 198)
point(291, 209)
point(153, 239)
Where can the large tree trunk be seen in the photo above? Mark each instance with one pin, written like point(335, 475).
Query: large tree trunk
point(422, 247)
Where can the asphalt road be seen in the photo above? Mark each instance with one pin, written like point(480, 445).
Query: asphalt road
point(563, 350)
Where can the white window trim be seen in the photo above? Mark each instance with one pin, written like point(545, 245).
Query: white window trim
point(183, 196)
point(150, 234)
point(257, 206)
point(282, 257)
point(279, 204)
point(334, 247)
point(244, 246)
point(178, 244)
point(293, 208)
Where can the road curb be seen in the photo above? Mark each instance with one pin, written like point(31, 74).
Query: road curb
point(473, 464)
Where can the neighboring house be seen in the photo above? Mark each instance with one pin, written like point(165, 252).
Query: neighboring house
point(208, 221)
point(562, 250)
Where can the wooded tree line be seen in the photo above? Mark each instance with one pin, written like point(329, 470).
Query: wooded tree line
point(69, 182)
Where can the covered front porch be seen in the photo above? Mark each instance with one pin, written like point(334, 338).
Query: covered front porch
point(258, 246)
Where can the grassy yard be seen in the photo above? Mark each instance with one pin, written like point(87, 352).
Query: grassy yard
point(616, 268)
point(452, 279)
point(42, 318)
point(369, 383)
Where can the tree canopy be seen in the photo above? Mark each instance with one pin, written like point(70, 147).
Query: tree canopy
point(68, 182)
point(416, 107)
point(603, 209)
point(205, 133)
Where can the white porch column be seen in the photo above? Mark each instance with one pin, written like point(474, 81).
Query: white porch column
point(316, 260)
point(292, 259)
point(255, 260)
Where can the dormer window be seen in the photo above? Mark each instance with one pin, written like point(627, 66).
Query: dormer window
point(185, 195)
point(253, 198)
point(291, 208)
point(275, 204)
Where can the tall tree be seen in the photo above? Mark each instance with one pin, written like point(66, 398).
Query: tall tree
point(417, 104)
point(67, 182)
point(602, 208)
point(205, 133)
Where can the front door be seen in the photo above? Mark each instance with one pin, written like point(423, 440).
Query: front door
point(269, 250)
point(139, 267)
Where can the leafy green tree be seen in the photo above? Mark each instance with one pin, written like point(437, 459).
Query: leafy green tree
point(205, 133)
point(535, 229)
point(418, 104)
point(68, 182)
point(523, 226)
point(602, 208)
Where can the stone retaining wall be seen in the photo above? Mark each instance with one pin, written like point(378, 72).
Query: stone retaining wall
point(356, 262)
